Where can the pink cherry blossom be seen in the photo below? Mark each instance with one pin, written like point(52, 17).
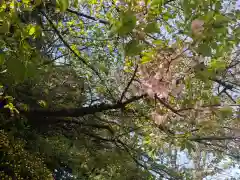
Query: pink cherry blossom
point(159, 78)
point(197, 26)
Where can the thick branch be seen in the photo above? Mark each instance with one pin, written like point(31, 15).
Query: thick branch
point(168, 106)
point(84, 124)
point(213, 138)
point(76, 112)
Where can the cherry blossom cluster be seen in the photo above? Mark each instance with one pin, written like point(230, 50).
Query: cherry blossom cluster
point(162, 77)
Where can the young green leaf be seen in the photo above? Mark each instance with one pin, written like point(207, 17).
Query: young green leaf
point(133, 48)
point(157, 2)
point(4, 27)
point(127, 23)
point(63, 4)
point(152, 28)
point(32, 30)
point(204, 50)
point(16, 69)
point(2, 58)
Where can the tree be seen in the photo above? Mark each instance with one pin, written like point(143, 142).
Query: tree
point(117, 89)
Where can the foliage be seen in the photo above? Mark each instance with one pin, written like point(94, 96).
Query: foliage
point(118, 89)
point(18, 163)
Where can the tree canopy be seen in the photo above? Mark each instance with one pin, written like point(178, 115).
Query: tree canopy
point(123, 90)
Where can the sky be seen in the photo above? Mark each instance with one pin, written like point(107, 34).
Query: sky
point(238, 4)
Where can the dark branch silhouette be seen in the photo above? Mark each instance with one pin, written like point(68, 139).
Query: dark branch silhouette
point(129, 83)
point(88, 17)
point(168, 106)
point(213, 138)
point(76, 112)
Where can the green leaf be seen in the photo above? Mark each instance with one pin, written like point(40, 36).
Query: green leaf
point(220, 29)
point(185, 7)
point(32, 30)
point(147, 140)
point(11, 107)
point(203, 75)
point(204, 50)
point(208, 16)
point(166, 16)
point(74, 48)
point(168, 28)
point(75, 3)
point(238, 100)
point(158, 42)
point(226, 111)
point(127, 23)
point(31, 70)
point(42, 103)
point(217, 64)
point(145, 59)
point(37, 2)
point(16, 69)
point(2, 58)
point(133, 48)
point(157, 2)
point(237, 31)
point(215, 100)
point(152, 28)
point(220, 20)
point(218, 5)
point(4, 26)
point(63, 4)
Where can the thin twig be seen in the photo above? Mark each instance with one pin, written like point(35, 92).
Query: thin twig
point(168, 106)
point(230, 97)
point(77, 112)
point(129, 83)
point(53, 60)
point(88, 16)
